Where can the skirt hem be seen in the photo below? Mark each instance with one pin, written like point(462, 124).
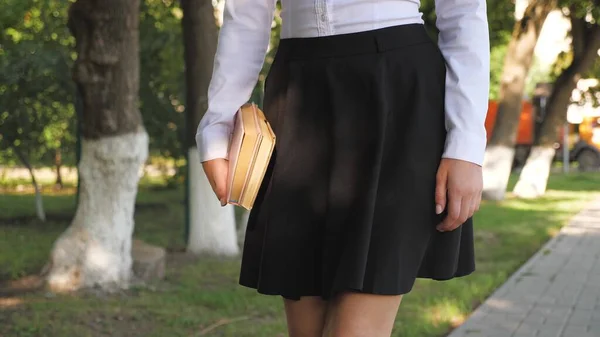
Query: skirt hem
point(337, 291)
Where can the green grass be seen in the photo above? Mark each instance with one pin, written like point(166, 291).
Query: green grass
point(199, 293)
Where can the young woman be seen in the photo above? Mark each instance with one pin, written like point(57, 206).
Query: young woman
point(377, 167)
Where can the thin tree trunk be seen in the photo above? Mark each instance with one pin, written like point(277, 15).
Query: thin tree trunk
point(534, 177)
point(96, 249)
point(211, 227)
point(39, 202)
point(58, 164)
point(501, 147)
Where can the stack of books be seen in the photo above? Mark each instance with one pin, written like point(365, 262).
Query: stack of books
point(251, 147)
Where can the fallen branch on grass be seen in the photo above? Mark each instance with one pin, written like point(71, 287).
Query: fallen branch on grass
point(221, 322)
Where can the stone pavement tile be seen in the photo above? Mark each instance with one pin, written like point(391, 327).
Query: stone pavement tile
point(510, 305)
point(581, 317)
point(527, 329)
point(495, 325)
point(587, 222)
point(472, 329)
point(531, 285)
point(594, 275)
point(586, 303)
point(590, 290)
point(481, 334)
point(594, 328)
point(502, 323)
point(552, 314)
point(596, 316)
point(546, 333)
point(477, 316)
point(535, 318)
point(550, 330)
point(577, 331)
point(581, 264)
point(547, 299)
point(566, 300)
point(556, 293)
point(522, 300)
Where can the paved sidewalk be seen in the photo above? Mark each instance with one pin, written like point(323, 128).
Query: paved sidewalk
point(555, 294)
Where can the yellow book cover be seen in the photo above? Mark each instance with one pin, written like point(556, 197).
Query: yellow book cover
point(251, 146)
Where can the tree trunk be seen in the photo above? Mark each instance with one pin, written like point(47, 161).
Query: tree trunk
point(243, 225)
point(534, 177)
point(96, 249)
point(39, 202)
point(501, 148)
point(211, 227)
point(58, 164)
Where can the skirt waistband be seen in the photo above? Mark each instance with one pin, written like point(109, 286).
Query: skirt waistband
point(365, 42)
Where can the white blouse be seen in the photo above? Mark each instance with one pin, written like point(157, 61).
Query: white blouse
point(244, 39)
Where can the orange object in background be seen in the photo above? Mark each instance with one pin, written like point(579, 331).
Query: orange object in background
point(526, 122)
point(583, 139)
point(589, 130)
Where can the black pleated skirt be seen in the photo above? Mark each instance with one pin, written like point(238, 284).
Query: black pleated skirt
point(347, 203)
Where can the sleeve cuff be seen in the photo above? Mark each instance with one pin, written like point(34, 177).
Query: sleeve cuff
point(213, 142)
point(465, 146)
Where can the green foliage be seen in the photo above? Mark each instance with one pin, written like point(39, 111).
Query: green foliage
point(36, 91)
point(501, 21)
point(37, 94)
point(496, 65)
point(162, 76)
point(589, 12)
point(589, 9)
point(500, 17)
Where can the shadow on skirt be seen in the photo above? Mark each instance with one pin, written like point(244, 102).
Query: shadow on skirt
point(347, 203)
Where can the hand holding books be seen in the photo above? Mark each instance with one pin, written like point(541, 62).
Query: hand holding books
point(236, 180)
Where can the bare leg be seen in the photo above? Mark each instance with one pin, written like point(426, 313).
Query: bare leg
point(362, 315)
point(306, 317)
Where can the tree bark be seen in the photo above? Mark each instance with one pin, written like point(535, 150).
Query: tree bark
point(500, 151)
point(586, 43)
point(95, 251)
point(211, 227)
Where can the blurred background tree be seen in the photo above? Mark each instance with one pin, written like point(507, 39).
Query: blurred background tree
point(37, 125)
point(581, 61)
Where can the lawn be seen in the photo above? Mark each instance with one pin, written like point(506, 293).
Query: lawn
point(200, 296)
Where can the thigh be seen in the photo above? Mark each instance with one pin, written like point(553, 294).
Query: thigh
point(305, 317)
point(362, 315)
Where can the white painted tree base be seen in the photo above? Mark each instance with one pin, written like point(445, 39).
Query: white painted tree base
point(95, 251)
point(534, 177)
point(243, 224)
point(212, 227)
point(497, 165)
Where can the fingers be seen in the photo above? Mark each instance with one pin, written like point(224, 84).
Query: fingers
point(221, 188)
point(460, 209)
point(455, 204)
point(465, 212)
point(441, 191)
point(474, 206)
point(216, 172)
point(463, 184)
